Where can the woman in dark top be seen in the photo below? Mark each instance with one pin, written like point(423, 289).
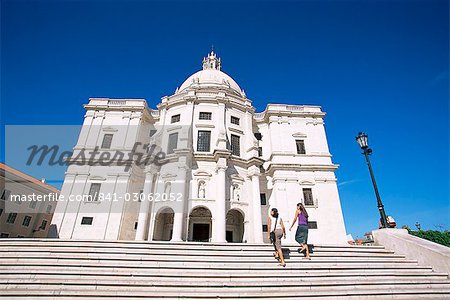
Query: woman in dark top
point(301, 235)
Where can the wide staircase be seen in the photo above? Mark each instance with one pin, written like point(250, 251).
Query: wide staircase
point(57, 269)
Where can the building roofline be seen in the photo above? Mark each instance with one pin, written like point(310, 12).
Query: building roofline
point(27, 177)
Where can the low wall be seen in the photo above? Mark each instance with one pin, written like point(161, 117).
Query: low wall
point(425, 252)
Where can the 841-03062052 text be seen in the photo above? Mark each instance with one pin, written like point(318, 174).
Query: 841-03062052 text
point(101, 197)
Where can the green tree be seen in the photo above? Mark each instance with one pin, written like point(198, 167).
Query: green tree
point(439, 237)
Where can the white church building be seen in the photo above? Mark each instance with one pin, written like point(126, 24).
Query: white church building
point(225, 167)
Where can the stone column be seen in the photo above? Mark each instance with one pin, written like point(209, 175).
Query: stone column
point(177, 230)
point(63, 202)
point(279, 188)
point(256, 206)
point(144, 209)
point(117, 207)
point(245, 236)
point(178, 206)
point(219, 218)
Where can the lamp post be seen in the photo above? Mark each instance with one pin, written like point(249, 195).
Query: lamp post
point(418, 226)
point(362, 140)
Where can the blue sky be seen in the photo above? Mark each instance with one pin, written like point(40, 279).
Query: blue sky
point(375, 66)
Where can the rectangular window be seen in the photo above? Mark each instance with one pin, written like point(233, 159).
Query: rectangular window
point(11, 218)
point(308, 197)
point(203, 141)
point(235, 145)
point(175, 119)
point(312, 225)
point(5, 194)
point(258, 136)
point(173, 141)
point(33, 204)
point(94, 191)
point(300, 146)
point(141, 195)
point(234, 120)
point(87, 220)
point(107, 139)
point(263, 199)
point(135, 225)
point(260, 151)
point(43, 224)
point(49, 209)
point(152, 132)
point(1, 211)
point(26, 221)
point(205, 115)
point(4, 235)
point(265, 228)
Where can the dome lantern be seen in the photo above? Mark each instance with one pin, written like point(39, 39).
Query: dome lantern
point(211, 77)
point(212, 62)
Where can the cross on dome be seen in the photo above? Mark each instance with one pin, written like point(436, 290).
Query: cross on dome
point(212, 62)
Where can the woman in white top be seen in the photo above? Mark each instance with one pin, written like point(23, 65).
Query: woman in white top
point(277, 230)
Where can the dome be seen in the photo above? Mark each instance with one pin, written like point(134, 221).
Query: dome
point(211, 76)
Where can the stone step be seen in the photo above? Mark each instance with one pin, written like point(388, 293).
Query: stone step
point(124, 243)
point(197, 258)
point(208, 281)
point(120, 290)
point(151, 251)
point(374, 296)
point(207, 285)
point(213, 251)
point(50, 268)
point(204, 262)
point(187, 246)
point(217, 272)
point(182, 267)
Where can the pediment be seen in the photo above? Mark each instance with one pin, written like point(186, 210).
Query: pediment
point(299, 135)
point(306, 182)
point(97, 177)
point(168, 175)
point(202, 174)
point(109, 129)
point(236, 177)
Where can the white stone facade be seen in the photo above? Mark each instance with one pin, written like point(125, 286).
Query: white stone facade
point(220, 182)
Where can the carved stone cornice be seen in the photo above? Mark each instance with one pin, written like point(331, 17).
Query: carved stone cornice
point(300, 167)
point(253, 171)
point(281, 112)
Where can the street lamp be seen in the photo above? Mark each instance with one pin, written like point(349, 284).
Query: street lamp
point(363, 142)
point(418, 226)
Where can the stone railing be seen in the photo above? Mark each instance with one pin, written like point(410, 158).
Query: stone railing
point(291, 109)
point(425, 252)
point(295, 107)
point(117, 102)
point(154, 113)
point(259, 115)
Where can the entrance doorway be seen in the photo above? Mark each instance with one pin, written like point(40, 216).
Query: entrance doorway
point(200, 233)
point(163, 225)
point(235, 226)
point(229, 236)
point(200, 224)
